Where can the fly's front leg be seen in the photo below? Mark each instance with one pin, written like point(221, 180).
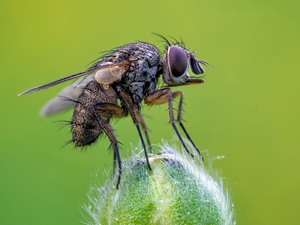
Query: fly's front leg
point(109, 110)
point(179, 119)
point(162, 96)
point(166, 95)
point(125, 99)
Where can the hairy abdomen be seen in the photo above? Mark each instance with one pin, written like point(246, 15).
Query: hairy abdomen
point(85, 128)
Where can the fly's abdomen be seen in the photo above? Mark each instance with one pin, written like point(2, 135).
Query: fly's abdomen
point(85, 127)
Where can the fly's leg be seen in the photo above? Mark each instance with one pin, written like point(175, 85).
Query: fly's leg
point(162, 96)
point(145, 129)
point(108, 110)
point(179, 119)
point(166, 95)
point(108, 131)
point(125, 99)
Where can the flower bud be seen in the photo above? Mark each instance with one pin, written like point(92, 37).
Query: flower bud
point(176, 191)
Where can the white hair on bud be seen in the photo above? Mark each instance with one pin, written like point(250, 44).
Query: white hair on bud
point(106, 200)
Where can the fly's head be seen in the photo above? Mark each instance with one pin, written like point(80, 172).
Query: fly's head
point(176, 63)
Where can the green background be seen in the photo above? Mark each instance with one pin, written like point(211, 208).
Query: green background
point(247, 111)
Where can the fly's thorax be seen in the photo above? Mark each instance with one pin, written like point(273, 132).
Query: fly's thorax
point(141, 51)
point(138, 80)
point(133, 66)
point(132, 52)
point(142, 71)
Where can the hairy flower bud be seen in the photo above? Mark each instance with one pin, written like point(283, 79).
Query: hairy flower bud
point(176, 191)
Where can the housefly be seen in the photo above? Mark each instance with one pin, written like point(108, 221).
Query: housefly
point(117, 85)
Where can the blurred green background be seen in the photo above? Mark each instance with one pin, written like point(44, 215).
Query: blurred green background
point(247, 111)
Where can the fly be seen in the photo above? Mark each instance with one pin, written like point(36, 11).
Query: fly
point(117, 85)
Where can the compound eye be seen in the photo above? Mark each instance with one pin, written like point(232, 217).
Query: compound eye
point(196, 67)
point(178, 61)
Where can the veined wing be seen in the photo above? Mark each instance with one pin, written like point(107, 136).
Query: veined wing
point(105, 73)
point(67, 98)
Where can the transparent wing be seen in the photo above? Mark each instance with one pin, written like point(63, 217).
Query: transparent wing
point(67, 98)
point(106, 73)
point(56, 82)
